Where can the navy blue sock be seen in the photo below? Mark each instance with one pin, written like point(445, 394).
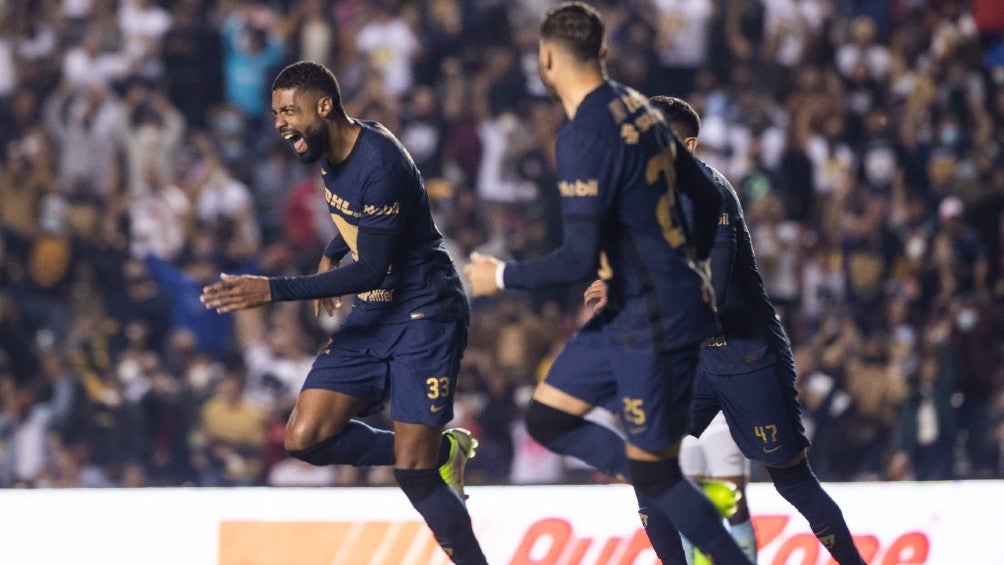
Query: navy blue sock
point(358, 444)
point(663, 485)
point(567, 434)
point(799, 486)
point(662, 534)
point(444, 512)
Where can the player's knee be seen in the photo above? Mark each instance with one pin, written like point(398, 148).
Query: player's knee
point(655, 477)
point(300, 437)
point(318, 453)
point(791, 474)
point(546, 424)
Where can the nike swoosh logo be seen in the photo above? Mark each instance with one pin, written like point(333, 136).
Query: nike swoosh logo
point(765, 450)
point(435, 408)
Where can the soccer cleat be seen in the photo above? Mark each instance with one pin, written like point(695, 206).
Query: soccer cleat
point(463, 446)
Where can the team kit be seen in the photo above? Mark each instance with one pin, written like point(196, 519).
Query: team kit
point(683, 343)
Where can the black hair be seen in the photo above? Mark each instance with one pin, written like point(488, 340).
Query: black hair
point(577, 26)
point(307, 75)
point(678, 112)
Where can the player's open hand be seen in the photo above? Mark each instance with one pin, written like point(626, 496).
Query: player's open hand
point(329, 303)
point(596, 295)
point(481, 272)
point(236, 292)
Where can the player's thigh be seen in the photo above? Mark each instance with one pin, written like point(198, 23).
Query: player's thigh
point(724, 458)
point(424, 362)
point(580, 376)
point(344, 382)
point(655, 391)
point(704, 405)
point(320, 414)
point(763, 415)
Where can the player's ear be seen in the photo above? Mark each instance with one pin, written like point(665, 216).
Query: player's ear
point(603, 52)
point(546, 56)
point(324, 106)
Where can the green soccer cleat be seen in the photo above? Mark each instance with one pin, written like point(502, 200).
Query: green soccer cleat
point(463, 446)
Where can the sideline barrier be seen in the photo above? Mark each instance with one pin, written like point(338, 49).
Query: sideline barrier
point(893, 523)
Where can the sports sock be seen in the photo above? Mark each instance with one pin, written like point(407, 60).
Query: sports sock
point(445, 514)
point(662, 483)
point(358, 444)
point(799, 486)
point(745, 537)
point(662, 534)
point(688, 550)
point(567, 434)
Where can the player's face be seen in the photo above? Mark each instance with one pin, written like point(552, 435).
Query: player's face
point(544, 69)
point(299, 122)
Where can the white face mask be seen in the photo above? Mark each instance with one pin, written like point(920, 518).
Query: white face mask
point(966, 319)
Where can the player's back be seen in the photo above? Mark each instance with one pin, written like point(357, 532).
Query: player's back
point(618, 163)
point(378, 188)
point(752, 337)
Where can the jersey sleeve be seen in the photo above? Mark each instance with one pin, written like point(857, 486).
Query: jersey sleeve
point(584, 169)
point(697, 184)
point(723, 252)
point(381, 200)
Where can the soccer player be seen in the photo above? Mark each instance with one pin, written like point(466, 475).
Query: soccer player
point(619, 168)
point(408, 326)
point(747, 372)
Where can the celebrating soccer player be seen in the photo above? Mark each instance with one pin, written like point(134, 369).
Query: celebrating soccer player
point(619, 173)
point(408, 326)
point(746, 374)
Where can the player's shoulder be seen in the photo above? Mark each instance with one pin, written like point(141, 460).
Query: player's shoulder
point(730, 199)
point(384, 151)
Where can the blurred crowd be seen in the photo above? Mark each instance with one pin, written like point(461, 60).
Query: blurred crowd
point(138, 162)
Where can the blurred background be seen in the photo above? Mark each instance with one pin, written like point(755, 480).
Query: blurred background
point(138, 161)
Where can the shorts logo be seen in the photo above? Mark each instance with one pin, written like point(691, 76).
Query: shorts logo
point(435, 408)
point(772, 450)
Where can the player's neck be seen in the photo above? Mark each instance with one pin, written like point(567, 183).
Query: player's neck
point(577, 86)
point(344, 133)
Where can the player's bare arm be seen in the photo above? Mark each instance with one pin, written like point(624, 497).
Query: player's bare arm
point(236, 292)
point(481, 271)
point(596, 295)
point(329, 303)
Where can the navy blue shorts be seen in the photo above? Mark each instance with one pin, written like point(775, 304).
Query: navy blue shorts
point(415, 363)
point(761, 408)
point(649, 390)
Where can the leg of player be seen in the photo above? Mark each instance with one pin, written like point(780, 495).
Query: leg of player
point(658, 481)
point(799, 486)
point(321, 431)
point(555, 420)
point(417, 450)
point(740, 524)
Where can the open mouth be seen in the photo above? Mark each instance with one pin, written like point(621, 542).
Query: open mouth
point(296, 140)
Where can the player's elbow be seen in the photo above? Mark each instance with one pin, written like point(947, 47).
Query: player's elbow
point(371, 275)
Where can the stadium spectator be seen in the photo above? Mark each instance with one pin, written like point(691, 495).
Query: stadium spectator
point(867, 140)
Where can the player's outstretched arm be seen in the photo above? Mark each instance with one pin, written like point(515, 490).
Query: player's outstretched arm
point(236, 292)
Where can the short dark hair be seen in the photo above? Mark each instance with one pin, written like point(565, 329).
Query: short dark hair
point(678, 112)
point(307, 75)
point(577, 26)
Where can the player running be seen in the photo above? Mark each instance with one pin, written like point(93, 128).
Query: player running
point(408, 326)
point(747, 371)
point(619, 170)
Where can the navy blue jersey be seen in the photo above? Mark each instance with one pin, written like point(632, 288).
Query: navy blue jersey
point(619, 172)
point(752, 336)
point(377, 195)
